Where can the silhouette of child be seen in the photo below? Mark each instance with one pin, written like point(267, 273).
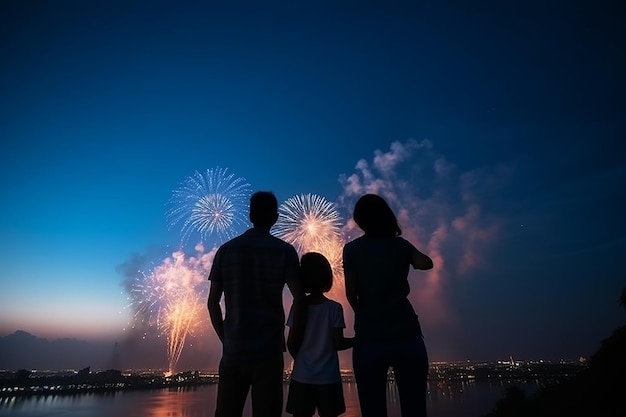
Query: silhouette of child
point(316, 379)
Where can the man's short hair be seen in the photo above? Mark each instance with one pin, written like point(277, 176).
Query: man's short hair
point(263, 209)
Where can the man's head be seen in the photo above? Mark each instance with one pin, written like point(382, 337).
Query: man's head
point(263, 209)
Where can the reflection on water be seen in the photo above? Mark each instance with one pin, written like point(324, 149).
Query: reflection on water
point(450, 399)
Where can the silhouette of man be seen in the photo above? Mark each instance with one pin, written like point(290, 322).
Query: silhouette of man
point(250, 271)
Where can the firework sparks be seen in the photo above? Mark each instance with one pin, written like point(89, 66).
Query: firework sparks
point(171, 298)
point(207, 204)
point(312, 224)
point(308, 221)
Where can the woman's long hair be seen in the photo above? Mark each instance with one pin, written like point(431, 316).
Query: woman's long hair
point(374, 216)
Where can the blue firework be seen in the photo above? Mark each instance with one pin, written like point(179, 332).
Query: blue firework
point(214, 203)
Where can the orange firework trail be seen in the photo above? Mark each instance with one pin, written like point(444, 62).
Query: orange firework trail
point(171, 298)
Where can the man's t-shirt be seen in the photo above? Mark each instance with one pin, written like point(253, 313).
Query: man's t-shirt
point(253, 269)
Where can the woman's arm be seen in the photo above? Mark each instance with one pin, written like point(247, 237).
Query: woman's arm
point(420, 260)
point(351, 292)
point(341, 342)
point(349, 280)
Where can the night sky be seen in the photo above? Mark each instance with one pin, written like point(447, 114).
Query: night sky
point(496, 131)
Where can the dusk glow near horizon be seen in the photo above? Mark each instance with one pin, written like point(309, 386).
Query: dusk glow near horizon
point(134, 134)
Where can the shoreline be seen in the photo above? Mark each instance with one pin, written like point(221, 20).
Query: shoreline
point(26, 383)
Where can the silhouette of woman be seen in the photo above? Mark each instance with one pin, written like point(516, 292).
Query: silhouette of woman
point(387, 330)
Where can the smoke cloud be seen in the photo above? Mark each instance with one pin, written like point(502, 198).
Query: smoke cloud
point(440, 210)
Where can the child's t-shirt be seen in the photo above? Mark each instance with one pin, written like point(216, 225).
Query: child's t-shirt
point(317, 361)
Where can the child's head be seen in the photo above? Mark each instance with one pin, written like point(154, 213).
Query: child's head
point(316, 273)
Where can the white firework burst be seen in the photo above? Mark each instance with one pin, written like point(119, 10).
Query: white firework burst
point(309, 222)
point(207, 204)
point(312, 224)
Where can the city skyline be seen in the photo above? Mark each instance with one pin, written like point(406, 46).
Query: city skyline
point(104, 356)
point(495, 131)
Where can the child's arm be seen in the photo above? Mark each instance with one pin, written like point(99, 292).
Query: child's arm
point(341, 342)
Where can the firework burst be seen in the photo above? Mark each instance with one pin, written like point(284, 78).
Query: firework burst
point(171, 298)
point(312, 224)
point(212, 203)
point(308, 221)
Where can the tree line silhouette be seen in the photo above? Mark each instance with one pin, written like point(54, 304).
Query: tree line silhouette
point(595, 391)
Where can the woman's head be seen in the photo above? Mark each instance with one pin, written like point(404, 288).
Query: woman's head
point(374, 216)
point(316, 273)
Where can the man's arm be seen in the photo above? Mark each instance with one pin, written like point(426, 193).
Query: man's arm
point(215, 310)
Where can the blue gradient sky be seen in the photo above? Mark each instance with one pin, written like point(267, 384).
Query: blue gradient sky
point(107, 106)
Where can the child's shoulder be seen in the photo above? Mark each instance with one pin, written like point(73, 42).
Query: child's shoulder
point(335, 304)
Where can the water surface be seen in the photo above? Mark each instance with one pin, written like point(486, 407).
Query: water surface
point(470, 399)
